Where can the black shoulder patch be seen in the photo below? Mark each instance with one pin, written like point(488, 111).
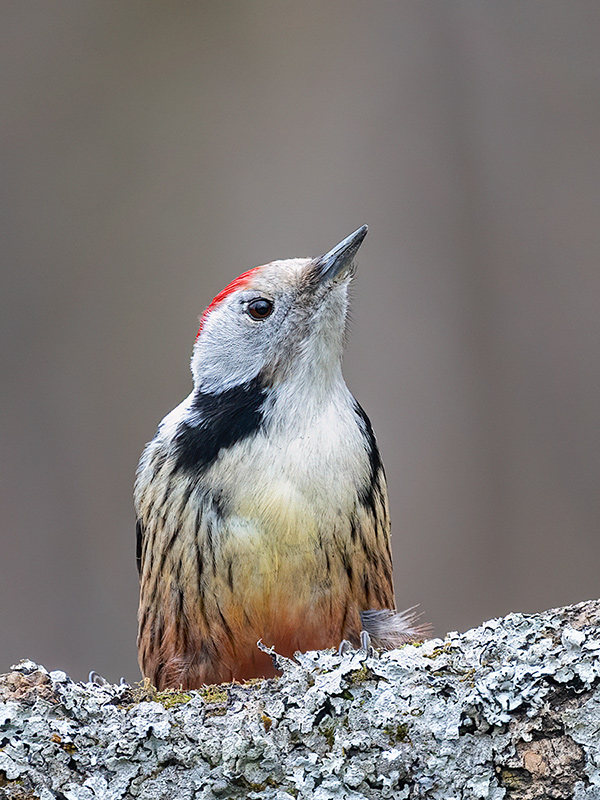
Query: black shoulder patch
point(372, 487)
point(223, 420)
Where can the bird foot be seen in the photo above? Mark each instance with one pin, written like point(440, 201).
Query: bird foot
point(365, 644)
point(99, 680)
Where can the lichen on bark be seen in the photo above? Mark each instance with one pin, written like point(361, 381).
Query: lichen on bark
point(507, 710)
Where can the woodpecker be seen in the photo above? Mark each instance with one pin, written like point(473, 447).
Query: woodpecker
point(261, 502)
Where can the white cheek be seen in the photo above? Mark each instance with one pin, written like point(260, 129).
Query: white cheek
point(226, 354)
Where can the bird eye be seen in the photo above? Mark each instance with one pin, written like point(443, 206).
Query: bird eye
point(260, 309)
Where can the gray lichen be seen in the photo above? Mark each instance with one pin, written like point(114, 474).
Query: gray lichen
point(508, 710)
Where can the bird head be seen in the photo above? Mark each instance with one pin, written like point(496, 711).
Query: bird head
point(279, 320)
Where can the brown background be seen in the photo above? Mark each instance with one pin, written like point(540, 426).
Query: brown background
point(152, 151)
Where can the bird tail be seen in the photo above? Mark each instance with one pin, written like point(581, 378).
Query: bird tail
point(389, 628)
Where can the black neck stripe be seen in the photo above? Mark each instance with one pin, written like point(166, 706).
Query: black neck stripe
point(368, 493)
point(220, 421)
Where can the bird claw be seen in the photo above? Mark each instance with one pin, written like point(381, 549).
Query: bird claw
point(97, 679)
point(365, 643)
point(345, 647)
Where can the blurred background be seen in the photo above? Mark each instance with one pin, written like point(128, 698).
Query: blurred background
point(152, 151)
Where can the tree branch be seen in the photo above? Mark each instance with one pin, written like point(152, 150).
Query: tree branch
point(508, 710)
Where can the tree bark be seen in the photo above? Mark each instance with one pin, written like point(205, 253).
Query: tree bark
point(507, 710)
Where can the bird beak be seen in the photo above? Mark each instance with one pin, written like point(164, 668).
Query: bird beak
point(337, 263)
